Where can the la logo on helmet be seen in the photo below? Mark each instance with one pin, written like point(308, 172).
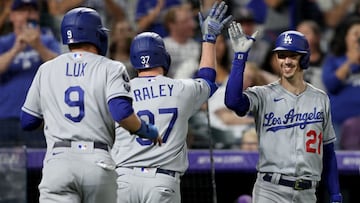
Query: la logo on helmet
point(287, 39)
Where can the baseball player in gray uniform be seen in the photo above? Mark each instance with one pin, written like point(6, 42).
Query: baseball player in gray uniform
point(152, 174)
point(293, 122)
point(77, 96)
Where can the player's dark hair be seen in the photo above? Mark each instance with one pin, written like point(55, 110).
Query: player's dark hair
point(338, 44)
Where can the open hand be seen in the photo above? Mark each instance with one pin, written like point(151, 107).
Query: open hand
point(239, 41)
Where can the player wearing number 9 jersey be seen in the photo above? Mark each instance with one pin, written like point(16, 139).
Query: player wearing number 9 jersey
point(152, 174)
point(293, 122)
point(77, 96)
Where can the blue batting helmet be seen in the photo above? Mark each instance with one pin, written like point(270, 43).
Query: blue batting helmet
point(83, 25)
point(296, 42)
point(148, 51)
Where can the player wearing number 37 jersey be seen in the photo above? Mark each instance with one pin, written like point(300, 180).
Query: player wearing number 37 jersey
point(78, 96)
point(148, 173)
point(293, 122)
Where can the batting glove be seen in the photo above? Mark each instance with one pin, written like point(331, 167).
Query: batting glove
point(240, 43)
point(336, 198)
point(212, 26)
point(148, 131)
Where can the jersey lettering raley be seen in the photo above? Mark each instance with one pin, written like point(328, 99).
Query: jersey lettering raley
point(161, 90)
point(168, 104)
point(74, 104)
point(287, 120)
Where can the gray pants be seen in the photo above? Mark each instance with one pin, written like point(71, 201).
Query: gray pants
point(78, 176)
point(139, 185)
point(271, 192)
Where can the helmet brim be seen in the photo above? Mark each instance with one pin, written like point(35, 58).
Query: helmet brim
point(289, 49)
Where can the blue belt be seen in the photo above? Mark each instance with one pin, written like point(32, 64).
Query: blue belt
point(300, 184)
point(97, 145)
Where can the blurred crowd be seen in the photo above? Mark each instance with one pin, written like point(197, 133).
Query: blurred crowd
point(30, 36)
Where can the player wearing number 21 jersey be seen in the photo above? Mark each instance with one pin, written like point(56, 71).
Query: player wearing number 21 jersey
point(293, 122)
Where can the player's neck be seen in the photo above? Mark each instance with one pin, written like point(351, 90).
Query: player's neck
point(91, 49)
point(151, 72)
point(294, 86)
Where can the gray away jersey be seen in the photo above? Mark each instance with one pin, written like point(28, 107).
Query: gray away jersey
point(71, 93)
point(292, 129)
point(167, 103)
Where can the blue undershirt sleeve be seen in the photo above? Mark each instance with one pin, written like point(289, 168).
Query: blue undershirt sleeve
point(29, 122)
point(330, 173)
point(234, 97)
point(209, 75)
point(120, 108)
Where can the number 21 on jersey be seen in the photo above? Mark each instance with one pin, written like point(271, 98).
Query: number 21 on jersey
point(313, 142)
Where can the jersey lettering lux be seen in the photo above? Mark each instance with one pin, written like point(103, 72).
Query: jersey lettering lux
point(75, 105)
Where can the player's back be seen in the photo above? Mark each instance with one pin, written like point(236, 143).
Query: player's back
point(75, 88)
point(167, 103)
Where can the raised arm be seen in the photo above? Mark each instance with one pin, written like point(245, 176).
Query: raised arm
point(211, 27)
point(241, 44)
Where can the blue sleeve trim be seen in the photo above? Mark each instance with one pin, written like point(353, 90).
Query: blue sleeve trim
point(213, 87)
point(330, 171)
point(207, 74)
point(240, 57)
point(29, 122)
point(120, 108)
point(234, 97)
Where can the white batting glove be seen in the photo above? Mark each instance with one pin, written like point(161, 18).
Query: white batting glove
point(239, 41)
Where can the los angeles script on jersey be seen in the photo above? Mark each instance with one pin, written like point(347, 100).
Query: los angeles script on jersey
point(292, 119)
point(152, 92)
point(75, 69)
